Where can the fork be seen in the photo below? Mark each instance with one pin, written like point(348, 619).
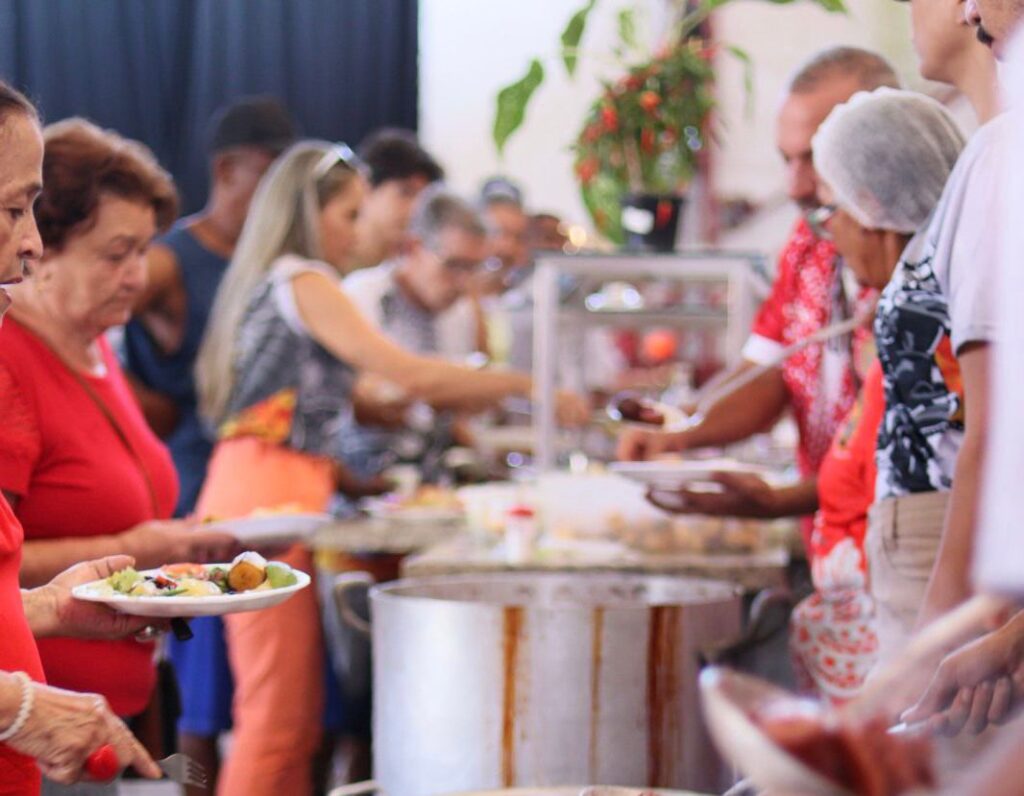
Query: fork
point(102, 765)
point(183, 770)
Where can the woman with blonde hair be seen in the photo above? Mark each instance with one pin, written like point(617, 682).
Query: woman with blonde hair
point(275, 375)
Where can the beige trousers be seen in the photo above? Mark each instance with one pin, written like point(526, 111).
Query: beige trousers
point(901, 544)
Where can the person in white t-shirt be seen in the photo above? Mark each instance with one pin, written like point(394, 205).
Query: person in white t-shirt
point(983, 682)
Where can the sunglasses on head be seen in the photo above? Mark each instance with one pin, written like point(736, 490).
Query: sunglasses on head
point(335, 154)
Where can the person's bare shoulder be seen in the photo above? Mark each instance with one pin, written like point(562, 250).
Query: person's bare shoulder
point(164, 285)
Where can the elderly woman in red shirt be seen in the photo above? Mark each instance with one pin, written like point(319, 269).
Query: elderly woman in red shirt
point(76, 444)
point(40, 726)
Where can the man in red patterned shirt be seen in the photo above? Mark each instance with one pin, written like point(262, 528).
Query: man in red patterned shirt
point(820, 383)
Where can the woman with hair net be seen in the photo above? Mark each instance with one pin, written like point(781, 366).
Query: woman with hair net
point(884, 160)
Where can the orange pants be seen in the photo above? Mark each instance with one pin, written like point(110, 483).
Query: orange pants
point(276, 655)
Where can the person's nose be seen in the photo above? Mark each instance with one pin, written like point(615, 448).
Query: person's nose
point(136, 275)
point(31, 248)
point(801, 182)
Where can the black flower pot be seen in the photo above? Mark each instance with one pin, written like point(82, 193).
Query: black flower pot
point(650, 221)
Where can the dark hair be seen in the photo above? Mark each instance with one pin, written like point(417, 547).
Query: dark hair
point(869, 69)
point(13, 101)
point(81, 163)
point(260, 122)
point(394, 154)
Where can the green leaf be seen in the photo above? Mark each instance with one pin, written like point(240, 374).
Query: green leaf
point(512, 102)
point(627, 28)
point(748, 78)
point(573, 34)
point(832, 6)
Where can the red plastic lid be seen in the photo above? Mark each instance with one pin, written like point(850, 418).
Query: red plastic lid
point(519, 511)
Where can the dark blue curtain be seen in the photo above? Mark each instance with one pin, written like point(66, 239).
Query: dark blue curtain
point(156, 70)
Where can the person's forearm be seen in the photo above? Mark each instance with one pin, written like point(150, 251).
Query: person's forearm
point(753, 408)
point(40, 611)
point(447, 386)
point(949, 584)
point(797, 500)
point(42, 560)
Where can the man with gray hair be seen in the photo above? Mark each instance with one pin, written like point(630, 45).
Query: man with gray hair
point(445, 244)
point(819, 384)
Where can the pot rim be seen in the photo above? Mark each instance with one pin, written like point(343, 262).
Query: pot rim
point(406, 589)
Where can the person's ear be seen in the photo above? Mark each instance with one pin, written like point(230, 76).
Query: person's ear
point(960, 13)
point(222, 168)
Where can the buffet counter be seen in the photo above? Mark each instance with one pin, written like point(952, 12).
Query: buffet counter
point(468, 553)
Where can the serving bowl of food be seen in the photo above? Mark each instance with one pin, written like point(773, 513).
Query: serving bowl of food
point(249, 583)
point(791, 744)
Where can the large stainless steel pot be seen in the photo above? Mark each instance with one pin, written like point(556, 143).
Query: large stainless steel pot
point(508, 680)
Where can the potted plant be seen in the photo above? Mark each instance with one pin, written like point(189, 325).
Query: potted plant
point(640, 142)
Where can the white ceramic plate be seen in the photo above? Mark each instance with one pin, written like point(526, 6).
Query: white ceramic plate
point(677, 474)
point(384, 509)
point(272, 529)
point(729, 700)
point(174, 607)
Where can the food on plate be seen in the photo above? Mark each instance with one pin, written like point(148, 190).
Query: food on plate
point(696, 534)
point(273, 511)
point(429, 496)
point(248, 572)
point(860, 757)
point(265, 511)
point(637, 410)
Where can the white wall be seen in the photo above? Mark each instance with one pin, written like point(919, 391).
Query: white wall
point(470, 48)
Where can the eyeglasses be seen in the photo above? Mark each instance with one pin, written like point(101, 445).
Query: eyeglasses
point(337, 153)
point(819, 217)
point(459, 266)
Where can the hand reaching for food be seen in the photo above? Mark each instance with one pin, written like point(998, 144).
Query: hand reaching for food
point(979, 684)
point(571, 409)
point(742, 495)
point(153, 543)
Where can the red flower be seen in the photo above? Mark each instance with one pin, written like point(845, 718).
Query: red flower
point(647, 140)
point(662, 213)
point(591, 133)
point(586, 169)
point(634, 82)
point(610, 118)
point(649, 101)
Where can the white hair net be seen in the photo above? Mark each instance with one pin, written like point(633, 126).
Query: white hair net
point(886, 156)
